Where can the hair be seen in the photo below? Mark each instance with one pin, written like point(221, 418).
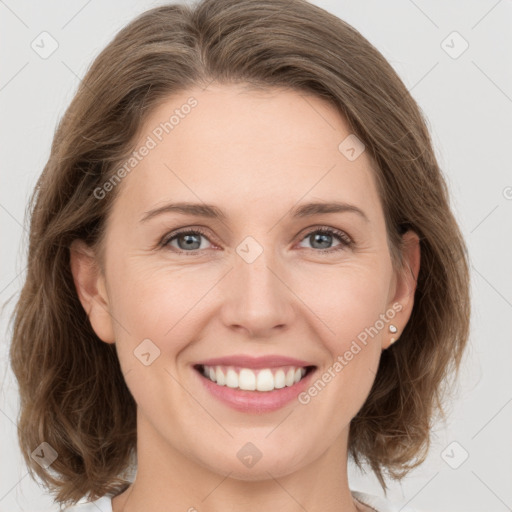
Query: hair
point(72, 391)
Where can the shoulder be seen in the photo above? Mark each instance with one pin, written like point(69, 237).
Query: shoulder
point(103, 504)
point(378, 503)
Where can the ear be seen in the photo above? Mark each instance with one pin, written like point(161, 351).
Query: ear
point(405, 286)
point(91, 289)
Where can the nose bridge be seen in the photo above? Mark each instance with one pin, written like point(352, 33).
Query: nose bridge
point(257, 298)
point(254, 268)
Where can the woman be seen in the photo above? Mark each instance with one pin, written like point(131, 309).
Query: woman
point(324, 299)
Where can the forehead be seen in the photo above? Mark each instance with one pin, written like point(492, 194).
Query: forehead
point(230, 145)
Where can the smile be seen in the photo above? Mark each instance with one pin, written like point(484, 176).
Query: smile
point(252, 390)
point(263, 379)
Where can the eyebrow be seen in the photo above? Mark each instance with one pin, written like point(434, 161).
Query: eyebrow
point(213, 212)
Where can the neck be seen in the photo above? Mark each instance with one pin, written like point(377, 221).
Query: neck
point(169, 479)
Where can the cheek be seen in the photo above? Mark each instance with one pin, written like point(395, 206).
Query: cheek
point(153, 308)
point(351, 304)
point(156, 300)
point(347, 299)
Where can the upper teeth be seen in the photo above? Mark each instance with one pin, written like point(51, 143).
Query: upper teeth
point(265, 379)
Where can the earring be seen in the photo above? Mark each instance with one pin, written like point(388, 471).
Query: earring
point(394, 330)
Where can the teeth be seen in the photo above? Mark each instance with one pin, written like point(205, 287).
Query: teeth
point(246, 379)
point(290, 377)
point(279, 379)
point(231, 379)
point(265, 379)
point(220, 379)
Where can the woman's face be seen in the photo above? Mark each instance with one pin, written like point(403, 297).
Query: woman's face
point(260, 280)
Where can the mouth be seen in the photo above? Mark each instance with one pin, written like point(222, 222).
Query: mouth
point(254, 379)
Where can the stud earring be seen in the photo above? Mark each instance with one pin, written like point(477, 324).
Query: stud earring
point(394, 330)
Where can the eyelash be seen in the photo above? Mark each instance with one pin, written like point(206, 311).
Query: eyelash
point(345, 241)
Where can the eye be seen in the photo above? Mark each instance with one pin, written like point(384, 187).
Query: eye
point(188, 241)
point(323, 237)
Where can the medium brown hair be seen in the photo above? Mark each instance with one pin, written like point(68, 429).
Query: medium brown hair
point(73, 394)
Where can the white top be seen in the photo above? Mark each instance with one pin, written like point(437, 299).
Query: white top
point(104, 504)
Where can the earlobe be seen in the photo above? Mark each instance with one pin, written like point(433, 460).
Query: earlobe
point(90, 286)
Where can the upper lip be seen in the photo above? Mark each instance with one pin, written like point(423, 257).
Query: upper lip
point(246, 361)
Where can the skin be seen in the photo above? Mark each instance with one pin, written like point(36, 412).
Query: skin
point(255, 155)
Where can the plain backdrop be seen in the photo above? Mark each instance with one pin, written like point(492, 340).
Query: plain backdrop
point(454, 57)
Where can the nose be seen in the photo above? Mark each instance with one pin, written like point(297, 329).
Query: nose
point(257, 298)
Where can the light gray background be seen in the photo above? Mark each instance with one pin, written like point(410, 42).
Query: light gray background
point(468, 103)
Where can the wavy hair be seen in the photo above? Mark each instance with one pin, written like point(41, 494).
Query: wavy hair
point(72, 391)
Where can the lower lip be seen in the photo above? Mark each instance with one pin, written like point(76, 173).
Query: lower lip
point(256, 401)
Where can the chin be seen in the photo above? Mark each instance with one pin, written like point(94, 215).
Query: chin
point(264, 468)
